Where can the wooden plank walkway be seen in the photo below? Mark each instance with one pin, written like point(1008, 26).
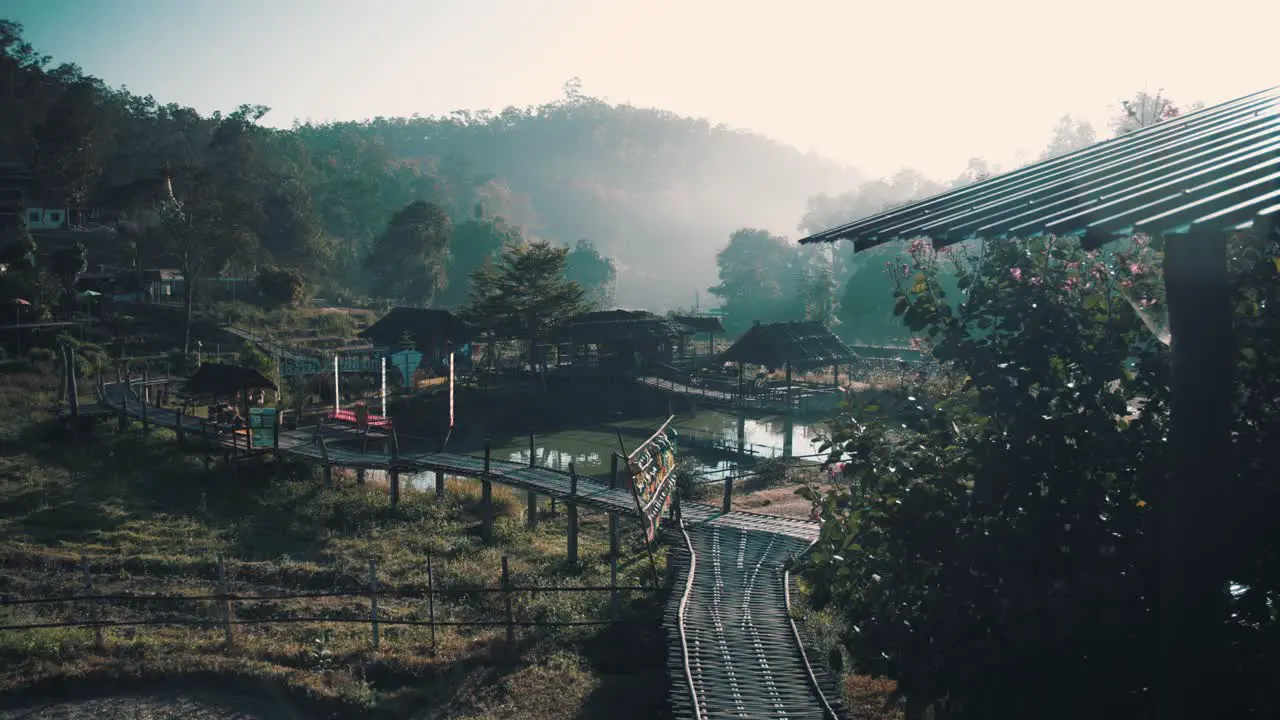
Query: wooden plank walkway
point(733, 649)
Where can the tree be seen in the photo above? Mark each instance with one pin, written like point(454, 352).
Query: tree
point(759, 279)
point(282, 287)
point(976, 541)
point(1068, 136)
point(474, 242)
point(597, 274)
point(525, 294)
point(409, 261)
point(68, 264)
point(1144, 110)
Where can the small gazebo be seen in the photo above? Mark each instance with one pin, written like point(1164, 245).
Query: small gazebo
point(695, 325)
point(624, 339)
point(221, 381)
point(791, 346)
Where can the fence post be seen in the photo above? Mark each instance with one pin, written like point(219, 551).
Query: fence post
point(613, 517)
point(373, 600)
point(506, 595)
point(224, 600)
point(395, 489)
point(98, 643)
point(146, 395)
point(439, 483)
point(531, 498)
point(431, 604)
point(726, 502)
point(486, 496)
point(613, 586)
point(571, 509)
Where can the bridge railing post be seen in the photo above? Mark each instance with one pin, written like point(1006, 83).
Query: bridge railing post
point(571, 510)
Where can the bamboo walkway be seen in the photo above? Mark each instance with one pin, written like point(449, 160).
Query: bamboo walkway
point(733, 648)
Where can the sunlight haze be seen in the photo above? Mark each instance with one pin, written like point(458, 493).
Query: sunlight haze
point(923, 85)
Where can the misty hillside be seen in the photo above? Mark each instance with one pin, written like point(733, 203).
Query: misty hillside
point(645, 185)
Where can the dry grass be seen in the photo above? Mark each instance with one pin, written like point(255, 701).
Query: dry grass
point(152, 519)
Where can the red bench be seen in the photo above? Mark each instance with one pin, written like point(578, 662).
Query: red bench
point(349, 417)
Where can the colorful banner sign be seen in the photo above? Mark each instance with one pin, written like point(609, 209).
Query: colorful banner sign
point(450, 391)
point(652, 467)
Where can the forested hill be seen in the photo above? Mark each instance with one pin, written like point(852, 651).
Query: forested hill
point(658, 192)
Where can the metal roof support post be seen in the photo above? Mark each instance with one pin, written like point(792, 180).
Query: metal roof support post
point(1192, 595)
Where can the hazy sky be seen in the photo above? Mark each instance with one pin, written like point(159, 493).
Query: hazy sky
point(880, 85)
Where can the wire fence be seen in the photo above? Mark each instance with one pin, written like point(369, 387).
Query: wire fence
point(441, 599)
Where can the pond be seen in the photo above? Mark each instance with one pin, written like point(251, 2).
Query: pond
point(590, 449)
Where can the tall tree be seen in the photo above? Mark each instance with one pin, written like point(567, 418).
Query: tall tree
point(1069, 135)
point(759, 279)
point(475, 241)
point(68, 265)
point(597, 274)
point(525, 294)
point(409, 262)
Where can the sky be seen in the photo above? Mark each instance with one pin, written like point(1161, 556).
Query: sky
point(880, 86)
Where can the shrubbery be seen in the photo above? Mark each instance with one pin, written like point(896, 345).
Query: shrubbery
point(994, 550)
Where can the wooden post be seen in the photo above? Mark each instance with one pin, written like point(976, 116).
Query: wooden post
point(439, 483)
point(275, 442)
point(506, 596)
point(486, 496)
point(531, 500)
point(373, 600)
point(613, 517)
point(431, 604)
point(395, 489)
point(179, 430)
point(360, 476)
point(1194, 506)
point(571, 509)
point(98, 643)
point(73, 385)
point(613, 541)
point(613, 586)
point(726, 501)
point(532, 459)
point(224, 601)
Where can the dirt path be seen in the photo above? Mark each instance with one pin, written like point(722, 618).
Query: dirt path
point(176, 706)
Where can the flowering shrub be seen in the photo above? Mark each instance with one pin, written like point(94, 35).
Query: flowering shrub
point(994, 548)
point(990, 550)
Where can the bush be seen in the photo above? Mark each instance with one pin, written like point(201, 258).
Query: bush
point(991, 552)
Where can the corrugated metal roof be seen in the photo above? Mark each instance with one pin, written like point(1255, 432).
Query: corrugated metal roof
point(1216, 168)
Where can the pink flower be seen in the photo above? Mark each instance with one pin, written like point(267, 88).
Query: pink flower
point(1136, 269)
point(1016, 273)
point(917, 246)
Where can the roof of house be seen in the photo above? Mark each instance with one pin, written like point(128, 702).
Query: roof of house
point(700, 323)
point(803, 345)
point(222, 380)
point(605, 326)
point(427, 328)
point(1215, 170)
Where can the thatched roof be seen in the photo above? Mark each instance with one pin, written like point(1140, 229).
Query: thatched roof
point(608, 326)
point(700, 323)
point(221, 380)
point(427, 328)
point(804, 345)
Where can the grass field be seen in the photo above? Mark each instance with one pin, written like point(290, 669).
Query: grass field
point(152, 519)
